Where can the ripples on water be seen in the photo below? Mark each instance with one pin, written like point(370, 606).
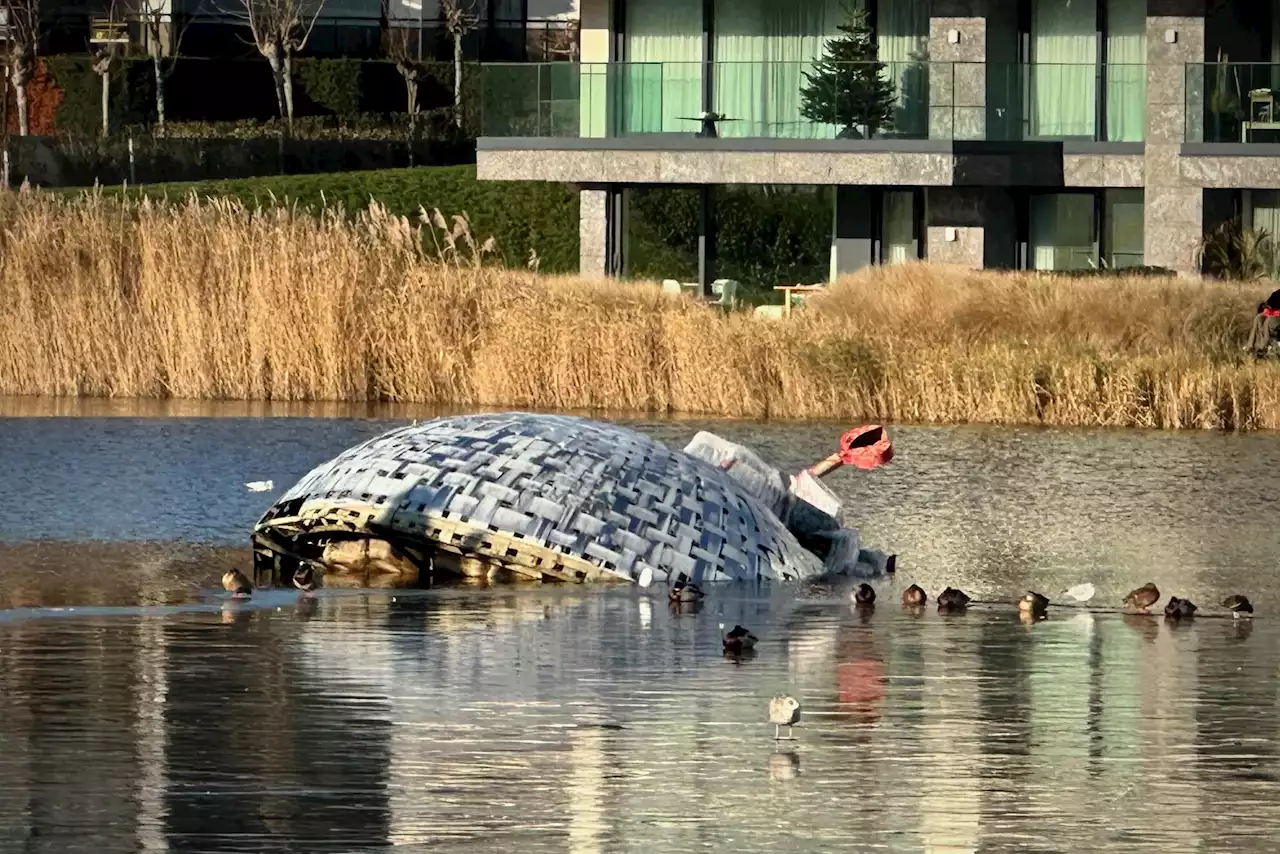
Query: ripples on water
point(570, 719)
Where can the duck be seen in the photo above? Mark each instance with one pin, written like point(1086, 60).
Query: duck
point(952, 600)
point(1179, 609)
point(684, 590)
point(1034, 604)
point(1238, 605)
point(237, 584)
point(914, 596)
point(304, 578)
point(864, 595)
point(738, 640)
point(1142, 598)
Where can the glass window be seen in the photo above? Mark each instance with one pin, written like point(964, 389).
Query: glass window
point(902, 36)
point(1122, 216)
point(762, 50)
point(1126, 73)
point(899, 227)
point(1062, 231)
point(661, 83)
point(1263, 208)
point(1063, 68)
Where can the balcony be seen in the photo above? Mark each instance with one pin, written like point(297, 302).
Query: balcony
point(1233, 102)
point(944, 101)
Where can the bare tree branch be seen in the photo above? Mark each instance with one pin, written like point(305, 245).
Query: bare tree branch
point(280, 30)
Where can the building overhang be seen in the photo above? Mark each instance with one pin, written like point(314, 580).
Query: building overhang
point(1230, 165)
point(685, 160)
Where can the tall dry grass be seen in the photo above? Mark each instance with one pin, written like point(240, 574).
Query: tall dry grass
point(209, 300)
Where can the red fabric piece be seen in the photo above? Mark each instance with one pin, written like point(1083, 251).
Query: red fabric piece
point(866, 447)
point(1270, 312)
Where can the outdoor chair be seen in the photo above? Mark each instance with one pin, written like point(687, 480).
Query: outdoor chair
point(727, 291)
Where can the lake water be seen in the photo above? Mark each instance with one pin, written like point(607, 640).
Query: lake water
point(142, 713)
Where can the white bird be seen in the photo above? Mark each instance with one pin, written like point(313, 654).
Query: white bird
point(783, 712)
point(646, 577)
point(259, 486)
point(1081, 592)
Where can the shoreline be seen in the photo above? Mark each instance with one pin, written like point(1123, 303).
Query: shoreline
point(202, 304)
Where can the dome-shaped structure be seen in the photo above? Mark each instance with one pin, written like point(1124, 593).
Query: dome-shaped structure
point(542, 495)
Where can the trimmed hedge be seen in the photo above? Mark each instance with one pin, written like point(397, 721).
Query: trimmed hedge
point(520, 215)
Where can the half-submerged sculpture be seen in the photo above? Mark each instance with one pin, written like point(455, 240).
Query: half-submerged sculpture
point(549, 497)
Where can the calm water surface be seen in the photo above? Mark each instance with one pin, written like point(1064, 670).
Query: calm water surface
point(141, 713)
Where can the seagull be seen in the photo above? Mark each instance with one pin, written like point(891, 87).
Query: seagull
point(1081, 592)
point(260, 486)
point(783, 712)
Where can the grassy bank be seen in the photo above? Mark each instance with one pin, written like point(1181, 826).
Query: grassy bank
point(210, 300)
point(520, 215)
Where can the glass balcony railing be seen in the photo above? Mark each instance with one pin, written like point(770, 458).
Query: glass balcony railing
point(1233, 102)
point(803, 100)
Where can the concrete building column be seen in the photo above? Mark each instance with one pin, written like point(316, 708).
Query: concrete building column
point(954, 229)
point(957, 70)
point(852, 246)
point(1173, 207)
point(593, 233)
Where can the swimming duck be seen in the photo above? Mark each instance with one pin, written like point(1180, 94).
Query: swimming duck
point(304, 579)
point(783, 712)
point(914, 597)
point(235, 583)
point(684, 590)
point(1143, 598)
point(1179, 609)
point(738, 640)
point(952, 600)
point(1034, 604)
point(1238, 605)
point(864, 595)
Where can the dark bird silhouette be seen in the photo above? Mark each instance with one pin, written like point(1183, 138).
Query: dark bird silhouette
point(864, 595)
point(685, 591)
point(304, 578)
point(952, 599)
point(1179, 609)
point(1238, 605)
point(738, 640)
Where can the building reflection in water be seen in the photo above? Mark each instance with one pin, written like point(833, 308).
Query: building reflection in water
point(551, 718)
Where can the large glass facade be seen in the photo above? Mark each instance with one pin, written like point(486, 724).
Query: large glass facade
point(1085, 230)
point(661, 86)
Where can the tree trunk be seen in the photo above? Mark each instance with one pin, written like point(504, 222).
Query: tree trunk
point(20, 77)
point(106, 104)
point(288, 89)
point(457, 79)
point(156, 64)
point(272, 54)
point(411, 89)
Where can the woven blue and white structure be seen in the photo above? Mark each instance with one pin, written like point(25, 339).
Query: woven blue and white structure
point(544, 496)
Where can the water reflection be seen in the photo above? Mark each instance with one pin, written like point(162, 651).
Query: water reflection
point(561, 719)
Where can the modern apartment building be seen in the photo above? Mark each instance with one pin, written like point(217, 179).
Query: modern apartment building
point(1037, 134)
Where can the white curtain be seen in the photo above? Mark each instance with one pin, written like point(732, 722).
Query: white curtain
point(1062, 231)
point(1063, 68)
point(902, 36)
point(1122, 215)
point(661, 83)
point(1126, 70)
point(1265, 210)
point(762, 50)
point(898, 229)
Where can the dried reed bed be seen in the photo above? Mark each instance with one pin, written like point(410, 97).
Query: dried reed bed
point(210, 300)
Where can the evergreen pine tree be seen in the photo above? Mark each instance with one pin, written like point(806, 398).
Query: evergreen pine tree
point(847, 87)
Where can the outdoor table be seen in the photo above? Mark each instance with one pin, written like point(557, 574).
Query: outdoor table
point(802, 290)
